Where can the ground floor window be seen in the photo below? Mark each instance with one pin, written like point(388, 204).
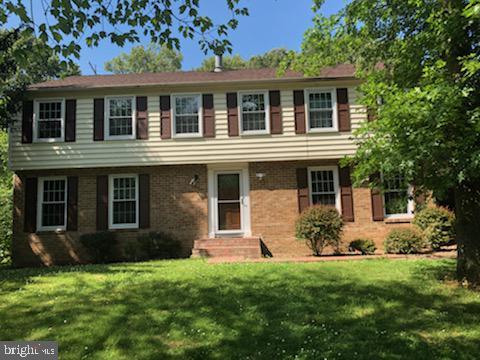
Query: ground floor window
point(123, 201)
point(323, 183)
point(398, 200)
point(52, 198)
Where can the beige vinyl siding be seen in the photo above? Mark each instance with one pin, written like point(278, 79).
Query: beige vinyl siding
point(85, 152)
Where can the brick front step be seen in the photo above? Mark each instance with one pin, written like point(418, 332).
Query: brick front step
point(246, 248)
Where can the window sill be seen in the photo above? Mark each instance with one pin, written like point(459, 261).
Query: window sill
point(51, 231)
point(398, 220)
point(48, 141)
point(322, 131)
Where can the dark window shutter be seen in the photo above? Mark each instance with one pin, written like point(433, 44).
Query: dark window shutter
point(299, 109)
point(30, 206)
point(72, 203)
point(142, 118)
point(302, 189)
point(144, 201)
point(346, 194)
point(208, 115)
point(102, 202)
point(27, 122)
point(165, 117)
point(70, 119)
point(343, 110)
point(275, 112)
point(377, 201)
point(98, 119)
point(232, 113)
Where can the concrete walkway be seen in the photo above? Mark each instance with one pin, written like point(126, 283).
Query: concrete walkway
point(451, 254)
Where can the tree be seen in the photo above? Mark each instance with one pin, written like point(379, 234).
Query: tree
point(24, 60)
point(425, 95)
point(270, 59)
point(153, 58)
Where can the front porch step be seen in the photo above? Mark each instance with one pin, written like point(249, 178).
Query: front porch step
point(246, 248)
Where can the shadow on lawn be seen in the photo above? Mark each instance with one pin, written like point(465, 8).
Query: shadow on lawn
point(261, 314)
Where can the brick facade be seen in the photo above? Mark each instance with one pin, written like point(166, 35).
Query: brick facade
point(181, 209)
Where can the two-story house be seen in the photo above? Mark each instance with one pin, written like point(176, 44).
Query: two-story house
point(221, 159)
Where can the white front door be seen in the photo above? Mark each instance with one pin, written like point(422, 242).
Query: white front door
point(229, 203)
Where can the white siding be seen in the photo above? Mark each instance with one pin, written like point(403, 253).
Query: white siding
point(85, 152)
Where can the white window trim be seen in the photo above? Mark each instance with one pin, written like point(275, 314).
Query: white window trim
point(267, 111)
point(200, 116)
point(36, 112)
point(106, 125)
point(333, 91)
point(41, 180)
point(336, 184)
point(111, 225)
point(410, 206)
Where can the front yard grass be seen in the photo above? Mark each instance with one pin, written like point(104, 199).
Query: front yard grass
point(370, 309)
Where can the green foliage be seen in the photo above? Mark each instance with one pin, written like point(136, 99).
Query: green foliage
point(66, 23)
point(24, 60)
point(101, 246)
point(154, 245)
point(5, 201)
point(153, 58)
point(270, 59)
point(404, 241)
point(437, 225)
point(365, 246)
point(320, 226)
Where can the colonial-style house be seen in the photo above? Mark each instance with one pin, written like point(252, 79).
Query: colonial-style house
point(222, 160)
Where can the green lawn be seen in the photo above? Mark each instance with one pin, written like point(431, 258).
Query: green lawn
point(371, 309)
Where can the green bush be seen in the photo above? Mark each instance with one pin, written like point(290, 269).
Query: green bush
point(365, 246)
point(158, 245)
point(5, 201)
point(437, 225)
point(404, 241)
point(100, 246)
point(320, 226)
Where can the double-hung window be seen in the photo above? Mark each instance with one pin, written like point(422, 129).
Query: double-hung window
point(322, 115)
point(323, 183)
point(254, 112)
point(398, 199)
point(123, 201)
point(187, 119)
point(52, 203)
point(120, 122)
point(49, 120)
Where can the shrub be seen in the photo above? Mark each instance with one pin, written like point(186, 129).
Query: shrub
point(437, 225)
point(158, 245)
point(100, 246)
point(404, 241)
point(365, 246)
point(320, 226)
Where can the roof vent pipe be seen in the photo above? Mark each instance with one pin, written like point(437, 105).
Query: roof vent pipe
point(218, 63)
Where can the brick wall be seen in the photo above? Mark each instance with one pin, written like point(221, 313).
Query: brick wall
point(274, 209)
point(181, 209)
point(176, 207)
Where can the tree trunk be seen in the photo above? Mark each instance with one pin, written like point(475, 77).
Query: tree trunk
point(467, 210)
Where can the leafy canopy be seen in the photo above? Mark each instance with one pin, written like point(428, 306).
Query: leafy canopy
point(426, 93)
point(24, 60)
point(153, 58)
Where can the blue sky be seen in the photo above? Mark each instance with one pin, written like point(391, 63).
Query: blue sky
point(271, 24)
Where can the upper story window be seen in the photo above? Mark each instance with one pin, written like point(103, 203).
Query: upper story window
point(123, 201)
point(398, 197)
point(321, 115)
point(120, 122)
point(187, 115)
point(254, 116)
point(49, 120)
point(323, 183)
point(52, 199)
